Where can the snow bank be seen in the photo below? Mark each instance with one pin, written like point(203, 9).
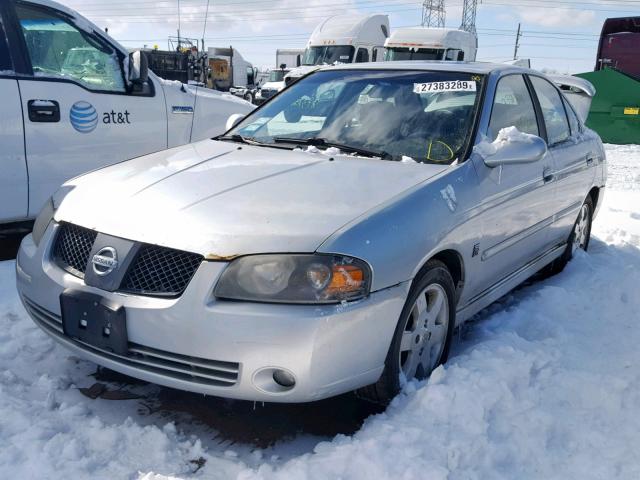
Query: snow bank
point(544, 384)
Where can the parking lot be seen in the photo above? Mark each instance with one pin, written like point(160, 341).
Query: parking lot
point(541, 384)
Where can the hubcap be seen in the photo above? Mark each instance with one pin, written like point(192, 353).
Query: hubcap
point(581, 230)
point(425, 333)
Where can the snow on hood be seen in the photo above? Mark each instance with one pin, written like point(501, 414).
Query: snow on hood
point(221, 200)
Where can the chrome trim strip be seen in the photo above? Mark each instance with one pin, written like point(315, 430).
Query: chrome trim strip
point(527, 232)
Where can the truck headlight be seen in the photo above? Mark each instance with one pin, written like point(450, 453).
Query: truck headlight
point(299, 278)
point(46, 214)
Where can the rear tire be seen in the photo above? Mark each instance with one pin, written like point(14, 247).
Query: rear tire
point(422, 337)
point(578, 240)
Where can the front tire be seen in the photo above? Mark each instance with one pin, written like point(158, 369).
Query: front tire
point(422, 337)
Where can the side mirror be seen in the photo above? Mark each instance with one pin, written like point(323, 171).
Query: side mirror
point(234, 120)
point(138, 67)
point(516, 151)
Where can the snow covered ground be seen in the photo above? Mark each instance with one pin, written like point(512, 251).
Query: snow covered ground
point(544, 384)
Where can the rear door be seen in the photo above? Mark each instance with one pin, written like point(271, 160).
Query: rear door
point(79, 114)
point(574, 160)
point(13, 168)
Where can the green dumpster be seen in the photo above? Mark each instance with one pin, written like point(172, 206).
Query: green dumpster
point(615, 109)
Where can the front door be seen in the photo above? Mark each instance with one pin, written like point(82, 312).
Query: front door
point(518, 199)
point(13, 168)
point(79, 114)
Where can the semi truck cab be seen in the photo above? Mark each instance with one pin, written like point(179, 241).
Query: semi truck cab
point(343, 39)
point(424, 43)
point(74, 100)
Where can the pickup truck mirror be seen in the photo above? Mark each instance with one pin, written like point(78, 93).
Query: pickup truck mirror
point(233, 120)
point(513, 152)
point(138, 68)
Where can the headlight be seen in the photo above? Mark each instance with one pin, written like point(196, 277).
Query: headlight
point(42, 221)
point(48, 211)
point(295, 279)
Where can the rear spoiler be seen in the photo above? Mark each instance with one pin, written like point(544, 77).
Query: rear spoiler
point(578, 91)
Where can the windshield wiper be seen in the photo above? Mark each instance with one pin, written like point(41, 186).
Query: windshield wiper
point(238, 138)
point(322, 142)
point(246, 140)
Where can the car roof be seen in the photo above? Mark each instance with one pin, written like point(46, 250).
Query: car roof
point(440, 66)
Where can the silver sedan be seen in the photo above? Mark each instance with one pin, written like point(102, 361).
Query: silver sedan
point(330, 241)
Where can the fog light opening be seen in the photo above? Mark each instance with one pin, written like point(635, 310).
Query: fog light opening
point(284, 378)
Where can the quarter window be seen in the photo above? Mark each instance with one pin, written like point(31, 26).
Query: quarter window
point(512, 107)
point(555, 117)
point(59, 50)
point(574, 123)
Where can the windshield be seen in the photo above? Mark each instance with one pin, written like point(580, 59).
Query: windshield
point(427, 116)
point(391, 54)
point(328, 55)
point(277, 75)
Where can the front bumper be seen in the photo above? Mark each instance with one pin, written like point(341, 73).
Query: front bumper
point(222, 348)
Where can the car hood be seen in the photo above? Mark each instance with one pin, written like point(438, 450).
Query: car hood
point(223, 200)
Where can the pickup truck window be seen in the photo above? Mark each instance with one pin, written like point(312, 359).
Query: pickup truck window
point(5, 58)
point(59, 50)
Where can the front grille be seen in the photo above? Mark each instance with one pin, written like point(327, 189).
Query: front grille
point(160, 271)
point(155, 271)
point(266, 93)
point(181, 367)
point(72, 248)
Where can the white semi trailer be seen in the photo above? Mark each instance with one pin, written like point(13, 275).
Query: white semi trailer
point(343, 39)
point(425, 43)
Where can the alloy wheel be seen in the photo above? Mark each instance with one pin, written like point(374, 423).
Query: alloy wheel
point(425, 334)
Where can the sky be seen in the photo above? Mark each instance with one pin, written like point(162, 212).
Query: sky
point(558, 35)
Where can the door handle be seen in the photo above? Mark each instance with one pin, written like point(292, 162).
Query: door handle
point(547, 175)
point(590, 159)
point(47, 111)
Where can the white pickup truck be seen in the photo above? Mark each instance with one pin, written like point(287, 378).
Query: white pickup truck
point(74, 100)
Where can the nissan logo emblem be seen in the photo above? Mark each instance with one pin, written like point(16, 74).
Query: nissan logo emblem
point(105, 261)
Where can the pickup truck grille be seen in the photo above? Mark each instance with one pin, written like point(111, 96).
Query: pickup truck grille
point(155, 271)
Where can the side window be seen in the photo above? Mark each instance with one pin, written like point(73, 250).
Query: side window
point(512, 107)
point(460, 56)
point(5, 58)
point(374, 55)
point(362, 55)
point(555, 118)
point(574, 123)
point(59, 50)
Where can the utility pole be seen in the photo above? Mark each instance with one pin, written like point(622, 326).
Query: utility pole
point(178, 25)
point(433, 13)
point(515, 50)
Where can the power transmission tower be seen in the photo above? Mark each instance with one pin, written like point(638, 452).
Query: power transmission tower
point(469, 8)
point(433, 13)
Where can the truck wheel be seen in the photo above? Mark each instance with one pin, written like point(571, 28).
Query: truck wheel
point(422, 338)
point(248, 97)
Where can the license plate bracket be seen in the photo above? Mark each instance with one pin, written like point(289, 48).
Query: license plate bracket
point(94, 320)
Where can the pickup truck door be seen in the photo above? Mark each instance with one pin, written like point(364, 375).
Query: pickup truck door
point(79, 114)
point(14, 194)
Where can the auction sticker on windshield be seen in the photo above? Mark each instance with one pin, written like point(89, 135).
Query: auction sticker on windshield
point(448, 86)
